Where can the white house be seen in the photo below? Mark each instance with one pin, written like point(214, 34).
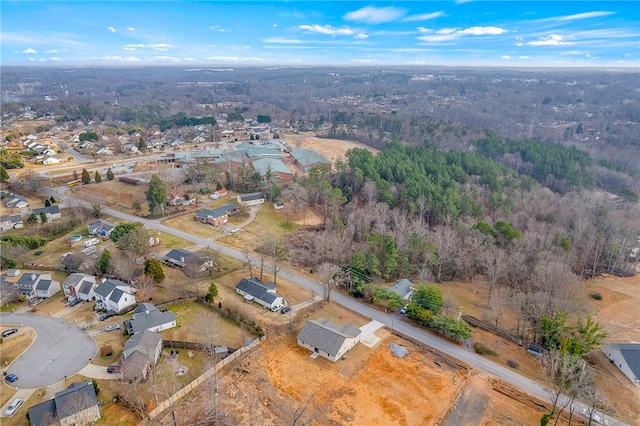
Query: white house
point(327, 339)
point(16, 201)
point(34, 285)
point(114, 295)
point(100, 228)
point(79, 286)
point(52, 212)
point(13, 221)
point(264, 293)
point(147, 317)
point(51, 159)
point(625, 356)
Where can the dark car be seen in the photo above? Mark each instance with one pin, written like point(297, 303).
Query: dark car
point(107, 315)
point(74, 302)
point(113, 369)
point(285, 309)
point(11, 378)
point(9, 332)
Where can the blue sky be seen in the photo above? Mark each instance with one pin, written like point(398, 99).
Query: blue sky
point(268, 33)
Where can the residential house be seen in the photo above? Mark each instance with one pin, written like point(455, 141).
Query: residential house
point(16, 201)
point(182, 258)
point(13, 221)
point(308, 158)
point(114, 295)
point(147, 317)
point(79, 286)
point(215, 217)
point(625, 356)
point(104, 151)
point(327, 339)
point(52, 213)
point(264, 293)
point(75, 405)
point(51, 159)
point(34, 285)
point(100, 228)
point(140, 354)
point(176, 197)
point(251, 199)
point(403, 288)
point(86, 145)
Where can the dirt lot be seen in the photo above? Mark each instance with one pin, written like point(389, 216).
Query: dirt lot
point(331, 149)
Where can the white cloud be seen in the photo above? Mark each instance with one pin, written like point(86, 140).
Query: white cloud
point(160, 47)
point(550, 40)
point(327, 29)
point(484, 31)
point(423, 17)
point(234, 59)
point(116, 58)
point(448, 34)
point(424, 30)
point(29, 51)
point(51, 52)
point(463, 1)
point(130, 29)
point(375, 15)
point(132, 47)
point(113, 30)
point(274, 25)
point(167, 59)
point(524, 57)
point(361, 36)
point(507, 57)
point(585, 15)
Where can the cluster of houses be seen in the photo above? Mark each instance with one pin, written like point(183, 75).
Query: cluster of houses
point(44, 153)
point(15, 221)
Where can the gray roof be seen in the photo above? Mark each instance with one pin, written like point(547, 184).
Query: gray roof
point(108, 286)
point(145, 342)
point(43, 414)
point(74, 279)
point(27, 280)
point(326, 335)
point(215, 213)
point(101, 225)
point(265, 292)
point(76, 398)
point(147, 316)
point(43, 285)
point(631, 354)
point(276, 166)
point(308, 157)
point(401, 287)
point(250, 197)
point(47, 210)
point(85, 287)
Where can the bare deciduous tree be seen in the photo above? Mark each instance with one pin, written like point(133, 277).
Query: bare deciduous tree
point(327, 275)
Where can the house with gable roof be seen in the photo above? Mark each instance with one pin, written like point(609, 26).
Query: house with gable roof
point(79, 286)
point(182, 257)
point(625, 356)
point(147, 317)
point(264, 293)
point(215, 217)
point(75, 405)
point(100, 228)
point(251, 199)
point(327, 339)
point(13, 221)
point(114, 295)
point(34, 285)
point(140, 354)
point(52, 212)
point(403, 288)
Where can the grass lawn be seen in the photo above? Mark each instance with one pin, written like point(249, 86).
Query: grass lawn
point(187, 223)
point(19, 418)
point(116, 340)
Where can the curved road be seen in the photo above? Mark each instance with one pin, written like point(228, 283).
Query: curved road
point(60, 350)
point(420, 335)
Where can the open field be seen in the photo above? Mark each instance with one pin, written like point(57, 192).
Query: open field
point(331, 149)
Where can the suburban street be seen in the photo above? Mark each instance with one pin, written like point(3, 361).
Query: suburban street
point(60, 350)
point(390, 320)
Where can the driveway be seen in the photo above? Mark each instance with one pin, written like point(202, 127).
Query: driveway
point(60, 350)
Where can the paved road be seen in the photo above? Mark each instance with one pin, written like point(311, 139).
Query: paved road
point(60, 350)
point(390, 320)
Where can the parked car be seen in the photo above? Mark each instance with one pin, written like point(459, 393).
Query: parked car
point(107, 315)
point(404, 309)
point(112, 327)
point(11, 378)
point(276, 308)
point(214, 196)
point(13, 407)
point(113, 369)
point(285, 309)
point(9, 332)
point(234, 230)
point(74, 302)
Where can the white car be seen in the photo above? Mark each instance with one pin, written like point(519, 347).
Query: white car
point(13, 407)
point(112, 327)
point(234, 230)
point(214, 196)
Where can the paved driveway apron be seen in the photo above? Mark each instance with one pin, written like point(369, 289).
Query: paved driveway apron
point(60, 350)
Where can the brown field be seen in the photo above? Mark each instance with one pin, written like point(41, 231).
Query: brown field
point(331, 149)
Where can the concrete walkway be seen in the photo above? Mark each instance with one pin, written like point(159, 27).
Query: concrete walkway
point(25, 394)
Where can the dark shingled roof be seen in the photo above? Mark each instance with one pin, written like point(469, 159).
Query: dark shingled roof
point(326, 335)
point(43, 414)
point(76, 398)
point(258, 290)
point(631, 354)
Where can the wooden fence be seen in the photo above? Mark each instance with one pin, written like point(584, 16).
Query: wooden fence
point(162, 406)
point(475, 322)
